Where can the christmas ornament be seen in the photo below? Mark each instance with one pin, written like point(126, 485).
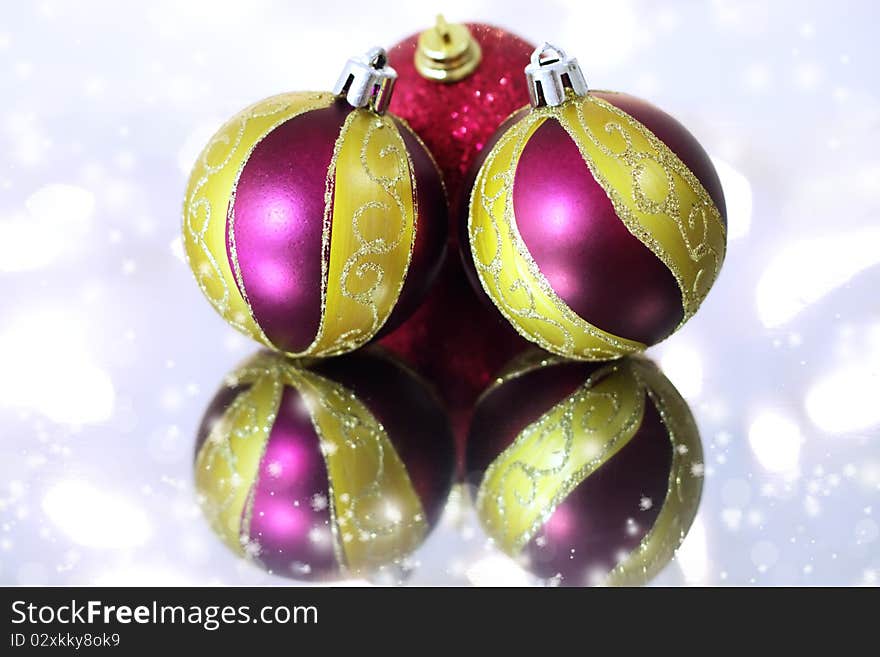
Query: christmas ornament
point(314, 220)
point(596, 222)
point(323, 469)
point(587, 473)
point(456, 85)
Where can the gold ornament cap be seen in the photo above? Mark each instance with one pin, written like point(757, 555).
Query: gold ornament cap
point(447, 52)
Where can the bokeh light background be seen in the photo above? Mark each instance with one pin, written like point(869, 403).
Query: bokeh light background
point(109, 353)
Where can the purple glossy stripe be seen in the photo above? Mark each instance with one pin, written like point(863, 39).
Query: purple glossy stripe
point(591, 528)
point(429, 249)
point(601, 271)
point(279, 216)
point(290, 520)
point(677, 138)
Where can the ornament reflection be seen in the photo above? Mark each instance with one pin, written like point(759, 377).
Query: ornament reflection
point(585, 473)
point(324, 470)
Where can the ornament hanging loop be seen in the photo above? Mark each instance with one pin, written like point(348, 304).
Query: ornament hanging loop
point(447, 52)
point(367, 81)
point(550, 73)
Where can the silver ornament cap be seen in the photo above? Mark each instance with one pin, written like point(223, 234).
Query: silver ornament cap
point(549, 73)
point(367, 81)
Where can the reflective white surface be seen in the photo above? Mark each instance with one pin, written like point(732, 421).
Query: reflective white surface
point(109, 353)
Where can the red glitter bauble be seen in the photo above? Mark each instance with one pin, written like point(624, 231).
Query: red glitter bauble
point(454, 339)
point(455, 120)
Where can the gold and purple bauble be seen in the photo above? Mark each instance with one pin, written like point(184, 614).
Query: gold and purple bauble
point(596, 222)
point(313, 221)
point(325, 470)
point(585, 473)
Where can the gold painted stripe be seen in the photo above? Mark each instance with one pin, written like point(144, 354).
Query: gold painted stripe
point(551, 456)
point(377, 517)
point(657, 197)
point(658, 546)
point(371, 235)
point(210, 192)
point(228, 462)
point(508, 272)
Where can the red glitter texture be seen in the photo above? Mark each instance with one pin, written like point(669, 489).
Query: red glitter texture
point(455, 339)
point(456, 120)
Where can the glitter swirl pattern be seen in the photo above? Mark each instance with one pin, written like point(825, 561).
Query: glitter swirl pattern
point(655, 195)
point(371, 232)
